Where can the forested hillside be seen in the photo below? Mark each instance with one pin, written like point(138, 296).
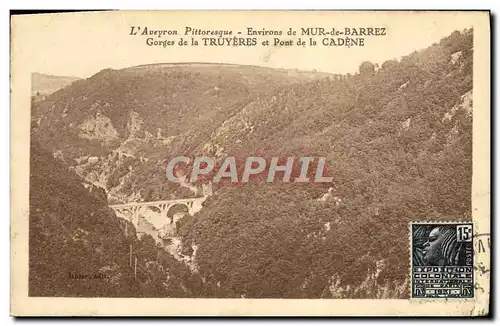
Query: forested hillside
point(397, 139)
point(78, 247)
point(398, 145)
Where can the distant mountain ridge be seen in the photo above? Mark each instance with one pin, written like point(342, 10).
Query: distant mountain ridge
point(44, 84)
point(269, 70)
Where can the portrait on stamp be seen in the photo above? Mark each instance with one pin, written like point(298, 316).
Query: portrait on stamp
point(442, 260)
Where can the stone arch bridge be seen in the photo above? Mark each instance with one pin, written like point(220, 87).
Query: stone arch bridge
point(131, 211)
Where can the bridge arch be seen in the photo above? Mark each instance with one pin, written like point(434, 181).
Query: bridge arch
point(167, 208)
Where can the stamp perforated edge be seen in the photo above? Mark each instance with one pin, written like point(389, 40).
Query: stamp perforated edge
point(410, 257)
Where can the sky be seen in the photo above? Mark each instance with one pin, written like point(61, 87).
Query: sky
point(82, 44)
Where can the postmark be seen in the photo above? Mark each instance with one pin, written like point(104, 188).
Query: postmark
point(442, 260)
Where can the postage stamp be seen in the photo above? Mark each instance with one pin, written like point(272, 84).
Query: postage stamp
point(442, 256)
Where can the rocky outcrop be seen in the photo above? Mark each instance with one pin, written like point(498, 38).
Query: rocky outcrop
point(405, 125)
point(455, 57)
point(98, 128)
point(134, 124)
point(465, 105)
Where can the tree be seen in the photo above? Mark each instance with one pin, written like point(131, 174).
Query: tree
point(366, 68)
point(389, 64)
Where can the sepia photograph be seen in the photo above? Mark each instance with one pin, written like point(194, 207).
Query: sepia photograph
point(253, 158)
